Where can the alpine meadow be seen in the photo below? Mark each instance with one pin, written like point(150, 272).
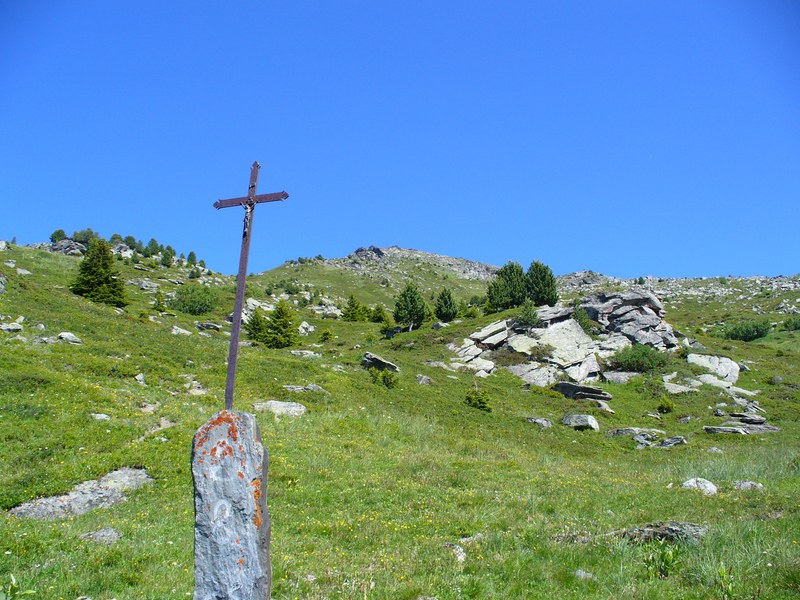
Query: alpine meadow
point(437, 428)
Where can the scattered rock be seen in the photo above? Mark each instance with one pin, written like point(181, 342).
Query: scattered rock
point(148, 409)
point(714, 450)
point(461, 554)
point(311, 387)
point(70, 338)
point(719, 365)
point(180, 331)
point(162, 425)
point(714, 429)
point(304, 328)
point(11, 327)
point(543, 423)
point(106, 536)
point(207, 326)
point(678, 440)
point(423, 380)
point(580, 574)
point(89, 495)
point(140, 379)
point(100, 416)
point(634, 431)
point(579, 392)
point(667, 531)
point(747, 485)
point(305, 353)
point(280, 408)
point(619, 376)
point(698, 483)
point(581, 422)
point(371, 360)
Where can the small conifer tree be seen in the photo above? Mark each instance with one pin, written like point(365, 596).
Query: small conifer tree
point(355, 311)
point(281, 330)
point(508, 289)
point(409, 309)
point(256, 326)
point(97, 278)
point(446, 309)
point(541, 284)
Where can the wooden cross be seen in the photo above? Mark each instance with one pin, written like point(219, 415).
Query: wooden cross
point(249, 203)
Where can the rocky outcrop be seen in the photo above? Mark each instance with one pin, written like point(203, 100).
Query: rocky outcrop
point(373, 361)
point(636, 314)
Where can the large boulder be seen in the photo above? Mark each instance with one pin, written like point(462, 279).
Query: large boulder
point(725, 368)
point(637, 314)
point(581, 422)
point(371, 360)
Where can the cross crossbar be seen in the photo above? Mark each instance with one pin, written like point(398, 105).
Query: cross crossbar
point(244, 200)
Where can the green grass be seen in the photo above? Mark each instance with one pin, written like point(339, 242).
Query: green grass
point(367, 488)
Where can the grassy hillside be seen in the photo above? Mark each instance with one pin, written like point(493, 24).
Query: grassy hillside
point(368, 488)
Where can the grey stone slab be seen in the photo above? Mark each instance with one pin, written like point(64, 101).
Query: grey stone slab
point(232, 524)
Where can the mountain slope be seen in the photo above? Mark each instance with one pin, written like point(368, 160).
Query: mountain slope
point(370, 491)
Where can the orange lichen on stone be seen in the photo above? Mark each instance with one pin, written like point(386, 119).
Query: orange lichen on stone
point(256, 496)
point(240, 474)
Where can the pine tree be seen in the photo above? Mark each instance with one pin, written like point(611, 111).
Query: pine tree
point(256, 326)
point(541, 284)
point(409, 309)
point(191, 260)
point(355, 311)
point(508, 289)
point(446, 308)
point(281, 330)
point(97, 278)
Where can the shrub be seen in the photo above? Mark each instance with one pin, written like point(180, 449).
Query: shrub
point(541, 353)
point(194, 299)
point(409, 310)
point(792, 323)
point(378, 314)
point(97, 278)
point(279, 331)
point(384, 377)
point(478, 399)
point(583, 319)
point(746, 331)
point(355, 311)
point(58, 235)
point(639, 358)
point(665, 406)
point(541, 284)
point(661, 558)
point(446, 308)
point(508, 289)
point(326, 335)
point(85, 236)
point(528, 316)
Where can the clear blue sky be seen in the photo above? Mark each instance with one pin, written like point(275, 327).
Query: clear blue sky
point(627, 137)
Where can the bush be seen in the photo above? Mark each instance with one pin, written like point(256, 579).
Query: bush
point(194, 299)
point(746, 331)
point(326, 335)
point(478, 399)
point(97, 278)
point(279, 331)
point(446, 308)
point(58, 235)
point(508, 289)
point(409, 310)
point(384, 377)
point(541, 284)
point(792, 323)
point(355, 311)
point(638, 358)
point(528, 315)
point(583, 319)
point(665, 406)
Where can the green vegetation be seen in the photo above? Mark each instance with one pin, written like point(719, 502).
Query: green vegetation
point(792, 323)
point(97, 278)
point(582, 317)
point(508, 289)
point(194, 299)
point(279, 330)
point(746, 331)
point(58, 235)
point(479, 399)
point(541, 284)
point(528, 315)
point(409, 308)
point(384, 377)
point(355, 311)
point(638, 358)
point(446, 309)
point(369, 486)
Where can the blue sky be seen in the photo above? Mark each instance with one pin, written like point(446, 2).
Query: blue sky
point(627, 137)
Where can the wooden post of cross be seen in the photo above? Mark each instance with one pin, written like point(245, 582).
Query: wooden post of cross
point(229, 470)
point(249, 203)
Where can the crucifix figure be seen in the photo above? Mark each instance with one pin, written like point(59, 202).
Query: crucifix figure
point(249, 202)
point(229, 470)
